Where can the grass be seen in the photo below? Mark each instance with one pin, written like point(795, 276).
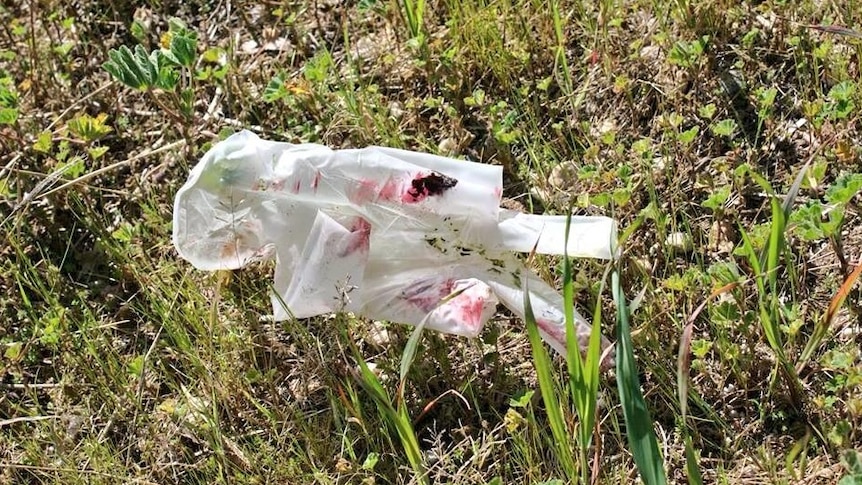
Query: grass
point(725, 138)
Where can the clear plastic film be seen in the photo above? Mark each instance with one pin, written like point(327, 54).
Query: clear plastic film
point(387, 234)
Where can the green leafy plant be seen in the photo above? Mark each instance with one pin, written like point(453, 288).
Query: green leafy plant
point(394, 414)
point(561, 442)
point(840, 100)
point(413, 12)
point(687, 54)
point(583, 378)
point(8, 101)
point(583, 371)
point(182, 44)
point(168, 70)
point(89, 128)
point(141, 70)
point(765, 102)
point(852, 462)
point(726, 128)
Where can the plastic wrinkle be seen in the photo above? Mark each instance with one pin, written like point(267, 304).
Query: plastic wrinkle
point(388, 234)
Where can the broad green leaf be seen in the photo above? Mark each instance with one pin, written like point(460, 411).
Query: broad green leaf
point(182, 44)
point(845, 187)
point(44, 142)
point(8, 116)
point(725, 127)
point(275, 89)
point(89, 128)
point(97, 152)
point(134, 69)
point(707, 111)
point(688, 136)
point(717, 198)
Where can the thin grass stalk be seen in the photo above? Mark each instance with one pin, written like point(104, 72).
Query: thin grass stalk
point(561, 63)
point(414, 13)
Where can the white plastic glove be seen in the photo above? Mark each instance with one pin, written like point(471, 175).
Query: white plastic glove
point(388, 234)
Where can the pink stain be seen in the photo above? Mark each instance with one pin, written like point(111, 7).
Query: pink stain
point(426, 296)
point(553, 330)
point(390, 189)
point(558, 334)
point(315, 181)
point(296, 186)
point(358, 240)
point(277, 185)
point(364, 192)
point(470, 311)
point(498, 192)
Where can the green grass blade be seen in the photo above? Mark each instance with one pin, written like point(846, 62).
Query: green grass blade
point(753, 260)
point(766, 276)
point(583, 370)
point(826, 322)
point(397, 418)
point(775, 245)
point(412, 345)
point(542, 364)
point(639, 424)
point(409, 354)
point(692, 470)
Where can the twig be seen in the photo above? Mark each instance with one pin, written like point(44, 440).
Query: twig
point(30, 386)
point(77, 102)
point(26, 419)
point(85, 471)
point(96, 173)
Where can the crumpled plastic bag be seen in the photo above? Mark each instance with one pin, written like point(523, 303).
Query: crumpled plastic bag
point(388, 234)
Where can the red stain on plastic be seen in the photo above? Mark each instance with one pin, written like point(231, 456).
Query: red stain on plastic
point(470, 310)
point(498, 192)
point(553, 330)
point(358, 240)
point(427, 185)
point(315, 182)
point(390, 189)
point(426, 294)
point(365, 191)
point(296, 186)
point(557, 332)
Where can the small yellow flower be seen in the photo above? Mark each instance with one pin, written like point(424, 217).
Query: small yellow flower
point(165, 40)
point(513, 420)
point(845, 152)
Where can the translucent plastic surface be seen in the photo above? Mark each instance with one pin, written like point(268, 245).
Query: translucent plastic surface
point(388, 234)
